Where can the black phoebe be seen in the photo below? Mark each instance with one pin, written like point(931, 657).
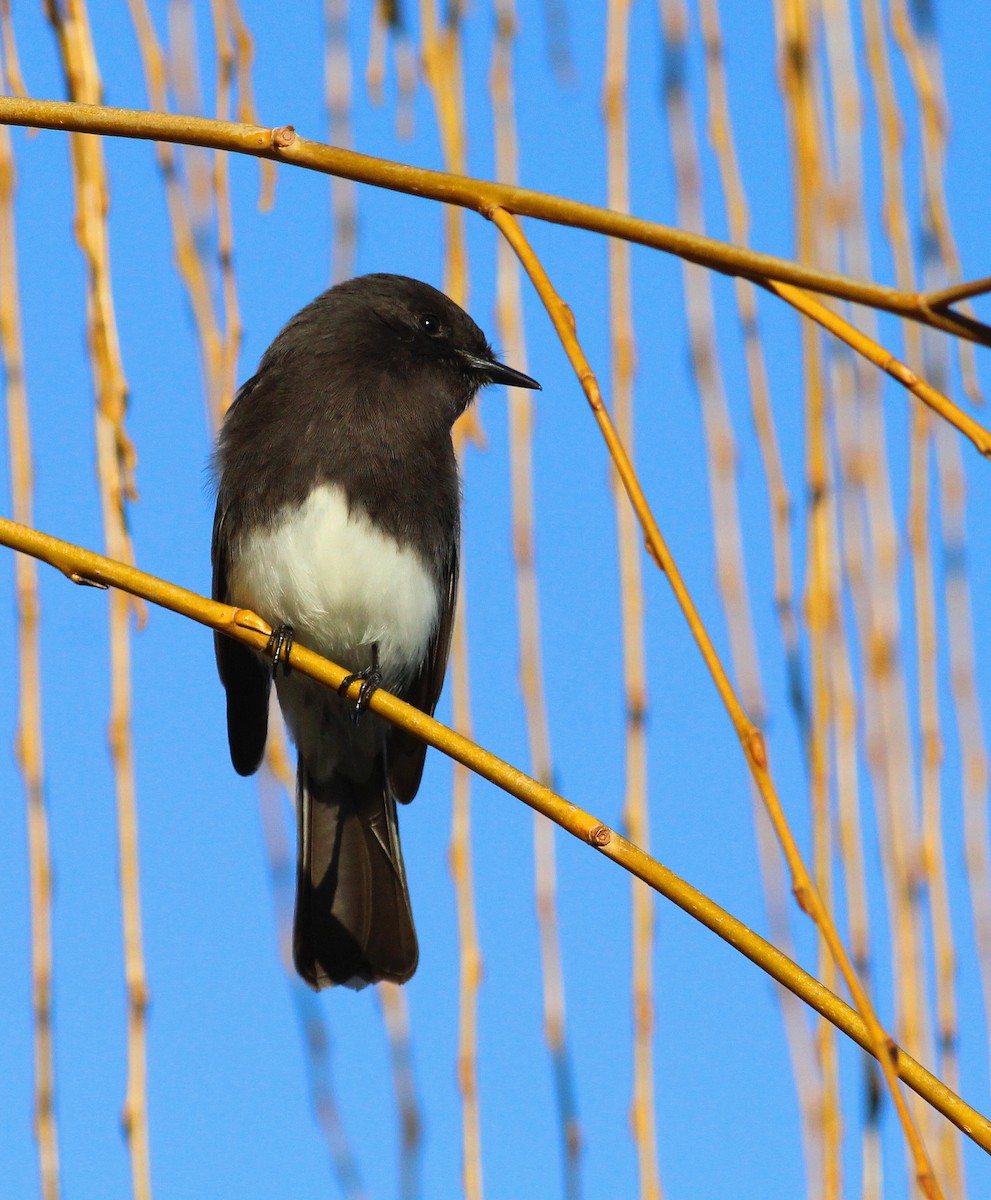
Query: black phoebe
point(338, 521)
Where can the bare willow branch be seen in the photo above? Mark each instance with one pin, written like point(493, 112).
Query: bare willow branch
point(85, 567)
point(976, 773)
point(189, 262)
point(559, 42)
point(227, 64)
point(720, 130)
point(244, 56)
point(931, 863)
point(337, 103)
point(891, 741)
point(945, 297)
point(967, 708)
point(395, 1010)
point(942, 405)
point(636, 811)
point(386, 20)
point(310, 1018)
point(931, 853)
point(798, 78)
point(116, 459)
point(283, 145)
point(751, 738)
point(469, 951)
point(375, 67)
point(14, 80)
point(219, 359)
point(920, 51)
point(29, 741)
point(858, 419)
point(440, 53)
point(184, 72)
point(509, 317)
point(914, 31)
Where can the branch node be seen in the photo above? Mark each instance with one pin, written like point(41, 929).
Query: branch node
point(600, 835)
point(244, 618)
point(802, 898)
point(648, 545)
point(85, 581)
point(898, 370)
point(282, 137)
point(757, 749)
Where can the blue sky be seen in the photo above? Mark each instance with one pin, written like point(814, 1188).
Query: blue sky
point(228, 1095)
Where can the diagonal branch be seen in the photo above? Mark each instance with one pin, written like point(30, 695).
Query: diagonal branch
point(948, 296)
point(85, 567)
point(480, 195)
point(751, 738)
point(942, 405)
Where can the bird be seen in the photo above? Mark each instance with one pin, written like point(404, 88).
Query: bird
point(338, 521)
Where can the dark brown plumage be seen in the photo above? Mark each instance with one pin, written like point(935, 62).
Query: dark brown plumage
point(338, 513)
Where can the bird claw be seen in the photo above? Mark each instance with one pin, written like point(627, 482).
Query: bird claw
point(371, 679)
point(279, 645)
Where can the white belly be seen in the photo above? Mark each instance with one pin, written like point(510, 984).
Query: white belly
point(341, 583)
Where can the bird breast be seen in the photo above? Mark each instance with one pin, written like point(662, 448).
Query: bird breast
point(342, 584)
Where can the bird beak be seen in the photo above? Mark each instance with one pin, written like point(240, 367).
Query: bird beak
point(497, 372)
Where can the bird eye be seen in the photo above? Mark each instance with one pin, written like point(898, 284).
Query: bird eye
point(430, 324)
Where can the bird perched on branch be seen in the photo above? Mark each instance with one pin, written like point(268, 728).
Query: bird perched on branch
point(338, 522)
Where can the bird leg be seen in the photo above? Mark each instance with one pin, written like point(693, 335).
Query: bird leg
point(279, 645)
point(371, 678)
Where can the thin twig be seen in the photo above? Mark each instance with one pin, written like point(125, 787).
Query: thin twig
point(942, 405)
point(636, 812)
point(220, 179)
point(440, 53)
point(244, 57)
point(720, 130)
point(856, 390)
point(189, 263)
point(397, 1026)
point(314, 1032)
point(13, 79)
point(932, 865)
point(975, 770)
point(922, 57)
point(798, 77)
point(509, 319)
point(944, 298)
point(337, 103)
point(115, 466)
point(29, 742)
point(469, 951)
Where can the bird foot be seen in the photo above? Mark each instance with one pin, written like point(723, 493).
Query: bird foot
point(371, 679)
point(279, 645)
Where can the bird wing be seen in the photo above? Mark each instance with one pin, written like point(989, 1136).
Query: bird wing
point(405, 751)
point(245, 677)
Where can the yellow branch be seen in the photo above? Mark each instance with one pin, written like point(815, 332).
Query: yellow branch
point(751, 738)
point(481, 195)
point(942, 405)
point(86, 567)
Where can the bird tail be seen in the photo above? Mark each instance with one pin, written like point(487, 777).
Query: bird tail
point(353, 923)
